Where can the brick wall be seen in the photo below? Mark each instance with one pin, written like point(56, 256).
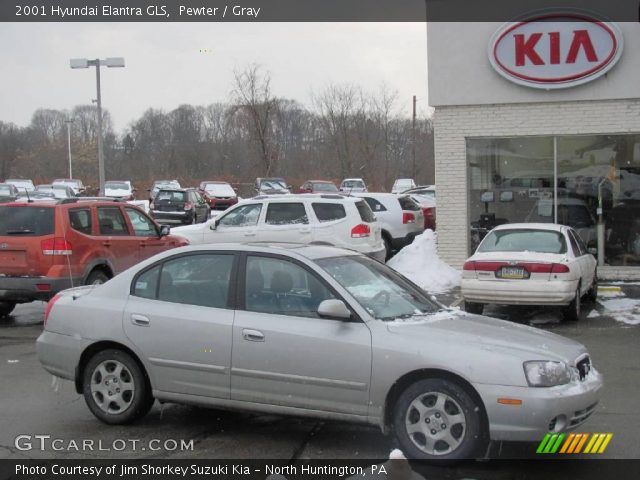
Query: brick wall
point(452, 125)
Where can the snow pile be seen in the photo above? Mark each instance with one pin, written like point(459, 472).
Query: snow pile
point(420, 263)
point(625, 310)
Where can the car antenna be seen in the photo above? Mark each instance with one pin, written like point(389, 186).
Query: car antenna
point(28, 197)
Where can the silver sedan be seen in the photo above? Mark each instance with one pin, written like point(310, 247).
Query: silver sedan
point(314, 331)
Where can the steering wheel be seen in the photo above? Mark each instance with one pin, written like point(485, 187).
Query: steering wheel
point(382, 293)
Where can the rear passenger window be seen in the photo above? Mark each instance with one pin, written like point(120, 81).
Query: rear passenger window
point(80, 220)
point(365, 212)
point(286, 213)
point(111, 221)
point(146, 284)
point(406, 203)
point(201, 280)
point(329, 211)
point(375, 205)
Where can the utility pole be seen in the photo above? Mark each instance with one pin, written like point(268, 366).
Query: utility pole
point(413, 140)
point(69, 122)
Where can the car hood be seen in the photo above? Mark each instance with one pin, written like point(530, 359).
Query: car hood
point(486, 333)
point(116, 193)
point(189, 229)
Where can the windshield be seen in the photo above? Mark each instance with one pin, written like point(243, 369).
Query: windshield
point(525, 240)
point(5, 191)
point(220, 189)
point(325, 187)
point(353, 184)
point(273, 185)
point(379, 289)
point(27, 184)
point(116, 186)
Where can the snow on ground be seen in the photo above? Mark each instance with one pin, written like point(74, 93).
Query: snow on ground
point(420, 263)
point(625, 310)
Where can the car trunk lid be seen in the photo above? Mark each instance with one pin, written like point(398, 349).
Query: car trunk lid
point(514, 266)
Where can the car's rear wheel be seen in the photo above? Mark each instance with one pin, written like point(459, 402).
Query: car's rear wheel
point(473, 307)
point(436, 419)
point(115, 388)
point(6, 308)
point(592, 294)
point(97, 277)
point(387, 247)
point(573, 311)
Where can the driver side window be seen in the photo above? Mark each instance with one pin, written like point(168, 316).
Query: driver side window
point(245, 216)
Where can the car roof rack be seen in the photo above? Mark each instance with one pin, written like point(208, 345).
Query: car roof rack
point(90, 199)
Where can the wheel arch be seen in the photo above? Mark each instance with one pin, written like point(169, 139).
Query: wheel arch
point(101, 264)
point(426, 373)
point(97, 347)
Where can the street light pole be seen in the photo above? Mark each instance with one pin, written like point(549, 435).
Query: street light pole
point(69, 122)
point(85, 63)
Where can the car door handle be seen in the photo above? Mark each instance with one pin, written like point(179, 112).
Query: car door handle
point(305, 230)
point(140, 320)
point(143, 244)
point(250, 234)
point(106, 243)
point(252, 335)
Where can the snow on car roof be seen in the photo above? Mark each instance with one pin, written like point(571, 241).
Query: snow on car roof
point(531, 226)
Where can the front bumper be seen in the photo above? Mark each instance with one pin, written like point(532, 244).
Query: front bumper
point(543, 410)
point(173, 217)
point(25, 289)
point(519, 292)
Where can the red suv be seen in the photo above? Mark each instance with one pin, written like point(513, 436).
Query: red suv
point(47, 247)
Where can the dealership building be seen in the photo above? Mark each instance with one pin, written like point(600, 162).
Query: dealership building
point(538, 121)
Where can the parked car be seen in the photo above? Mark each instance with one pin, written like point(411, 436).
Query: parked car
point(402, 185)
point(181, 206)
point(219, 195)
point(428, 206)
point(318, 186)
point(326, 219)
point(58, 191)
point(530, 264)
point(158, 184)
point(314, 331)
point(353, 185)
point(272, 186)
point(76, 184)
point(423, 190)
point(8, 190)
point(400, 218)
point(122, 189)
point(572, 212)
point(21, 184)
point(53, 245)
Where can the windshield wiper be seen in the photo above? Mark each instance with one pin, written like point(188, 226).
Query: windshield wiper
point(18, 232)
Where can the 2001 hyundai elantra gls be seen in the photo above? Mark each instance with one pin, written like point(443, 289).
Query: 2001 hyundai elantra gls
point(314, 331)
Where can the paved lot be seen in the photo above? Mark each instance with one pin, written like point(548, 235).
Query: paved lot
point(32, 404)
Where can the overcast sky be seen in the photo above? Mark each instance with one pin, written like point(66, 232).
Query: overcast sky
point(165, 66)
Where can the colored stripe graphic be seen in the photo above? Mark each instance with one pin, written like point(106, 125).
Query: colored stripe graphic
point(543, 443)
point(567, 443)
point(582, 441)
point(574, 442)
point(605, 443)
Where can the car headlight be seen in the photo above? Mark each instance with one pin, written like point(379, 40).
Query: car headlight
point(546, 373)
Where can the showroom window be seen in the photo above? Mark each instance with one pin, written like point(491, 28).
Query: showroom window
point(514, 179)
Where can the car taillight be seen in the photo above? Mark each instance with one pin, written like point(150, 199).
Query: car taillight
point(49, 306)
point(560, 268)
point(469, 266)
point(151, 206)
point(56, 246)
point(188, 206)
point(408, 217)
point(360, 231)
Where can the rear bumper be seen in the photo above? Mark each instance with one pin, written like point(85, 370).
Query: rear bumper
point(60, 354)
point(519, 292)
point(173, 217)
point(543, 410)
point(28, 289)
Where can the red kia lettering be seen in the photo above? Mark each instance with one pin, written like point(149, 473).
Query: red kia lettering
point(526, 48)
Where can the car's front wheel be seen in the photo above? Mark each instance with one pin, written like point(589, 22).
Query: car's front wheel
point(436, 419)
point(592, 294)
point(6, 308)
point(97, 277)
point(115, 388)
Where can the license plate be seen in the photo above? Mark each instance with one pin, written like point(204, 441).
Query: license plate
point(13, 259)
point(513, 273)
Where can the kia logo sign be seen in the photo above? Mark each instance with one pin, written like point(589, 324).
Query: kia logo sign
point(555, 50)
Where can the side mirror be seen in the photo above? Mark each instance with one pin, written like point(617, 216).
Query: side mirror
point(335, 309)
point(593, 251)
point(214, 225)
point(164, 230)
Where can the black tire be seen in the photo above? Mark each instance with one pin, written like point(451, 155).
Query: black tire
point(592, 294)
point(573, 311)
point(136, 401)
point(6, 308)
point(387, 247)
point(96, 277)
point(475, 308)
point(467, 434)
